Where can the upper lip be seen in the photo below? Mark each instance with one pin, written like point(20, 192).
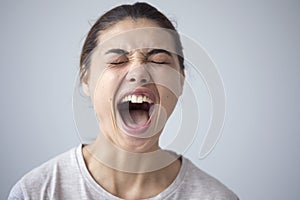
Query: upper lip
point(139, 91)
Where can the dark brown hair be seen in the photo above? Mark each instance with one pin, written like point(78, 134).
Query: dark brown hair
point(113, 16)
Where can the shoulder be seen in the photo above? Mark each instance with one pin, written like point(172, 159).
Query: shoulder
point(202, 184)
point(57, 165)
point(48, 175)
point(16, 192)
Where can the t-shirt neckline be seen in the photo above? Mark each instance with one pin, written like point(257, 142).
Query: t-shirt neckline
point(99, 189)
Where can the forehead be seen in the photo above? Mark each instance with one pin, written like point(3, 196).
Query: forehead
point(132, 34)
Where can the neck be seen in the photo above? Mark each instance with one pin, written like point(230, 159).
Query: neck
point(130, 175)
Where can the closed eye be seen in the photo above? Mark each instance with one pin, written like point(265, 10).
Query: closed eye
point(158, 62)
point(118, 63)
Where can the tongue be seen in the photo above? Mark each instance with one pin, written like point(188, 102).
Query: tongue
point(139, 117)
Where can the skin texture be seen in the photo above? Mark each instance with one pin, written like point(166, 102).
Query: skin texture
point(111, 74)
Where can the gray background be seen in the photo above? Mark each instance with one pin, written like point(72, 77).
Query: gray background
point(255, 44)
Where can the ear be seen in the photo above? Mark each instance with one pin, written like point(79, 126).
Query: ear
point(84, 79)
point(182, 80)
point(85, 88)
point(85, 84)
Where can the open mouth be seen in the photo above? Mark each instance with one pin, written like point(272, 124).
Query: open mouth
point(136, 110)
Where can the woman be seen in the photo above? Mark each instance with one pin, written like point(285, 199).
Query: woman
point(132, 69)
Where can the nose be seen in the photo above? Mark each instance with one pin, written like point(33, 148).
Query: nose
point(138, 74)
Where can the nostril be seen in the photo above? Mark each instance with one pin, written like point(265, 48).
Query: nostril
point(132, 79)
point(143, 80)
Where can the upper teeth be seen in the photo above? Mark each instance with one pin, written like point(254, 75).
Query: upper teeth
point(136, 99)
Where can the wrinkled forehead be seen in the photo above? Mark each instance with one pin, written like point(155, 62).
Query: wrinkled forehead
point(140, 38)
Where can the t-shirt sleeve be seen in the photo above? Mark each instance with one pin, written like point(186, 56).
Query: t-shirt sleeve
point(16, 192)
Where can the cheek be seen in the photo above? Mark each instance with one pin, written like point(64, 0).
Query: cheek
point(104, 92)
point(169, 78)
point(168, 99)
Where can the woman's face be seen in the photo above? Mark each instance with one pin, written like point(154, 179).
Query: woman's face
point(134, 81)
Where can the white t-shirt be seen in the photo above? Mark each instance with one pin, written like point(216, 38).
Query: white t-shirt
point(67, 177)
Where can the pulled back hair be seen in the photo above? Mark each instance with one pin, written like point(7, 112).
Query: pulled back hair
point(119, 13)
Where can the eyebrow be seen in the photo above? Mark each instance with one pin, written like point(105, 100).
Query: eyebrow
point(156, 51)
point(152, 52)
point(117, 51)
